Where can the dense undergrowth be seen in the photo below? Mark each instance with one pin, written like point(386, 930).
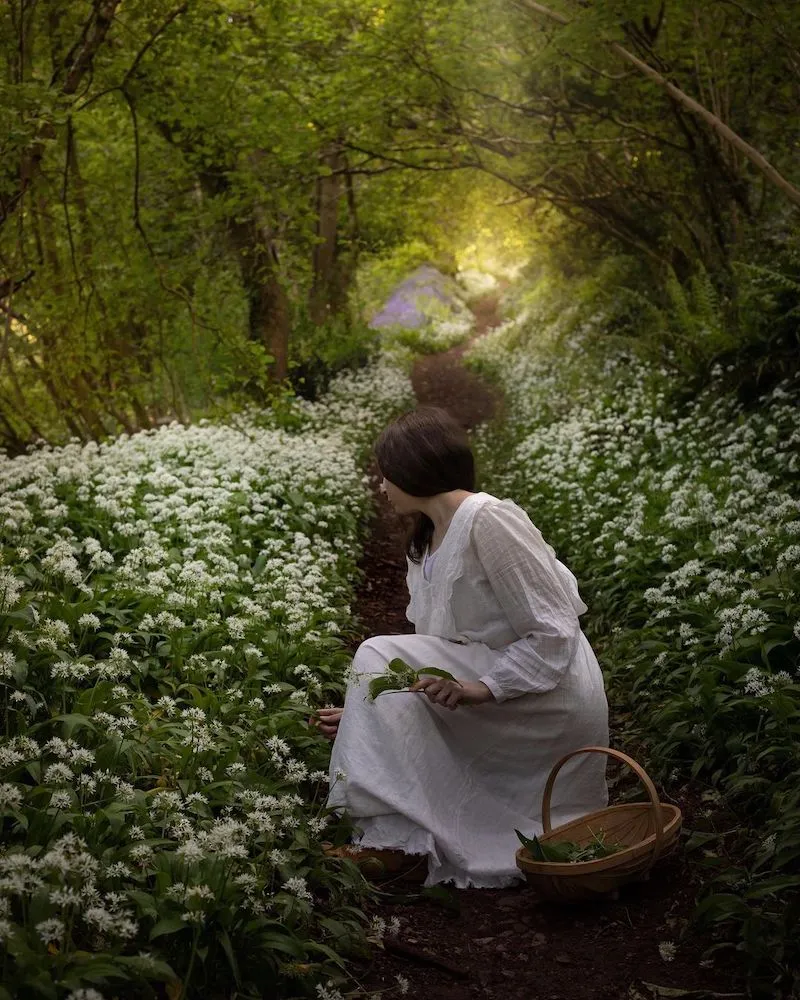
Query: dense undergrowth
point(432, 324)
point(678, 509)
point(172, 606)
point(426, 313)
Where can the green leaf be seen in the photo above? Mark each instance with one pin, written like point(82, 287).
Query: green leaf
point(146, 903)
point(402, 675)
point(698, 839)
point(147, 966)
point(773, 886)
point(566, 851)
point(169, 925)
point(326, 950)
point(436, 672)
point(227, 947)
point(74, 721)
point(532, 845)
point(399, 666)
point(285, 944)
point(378, 685)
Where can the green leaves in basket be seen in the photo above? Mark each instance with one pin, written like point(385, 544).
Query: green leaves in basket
point(547, 852)
point(566, 851)
point(401, 675)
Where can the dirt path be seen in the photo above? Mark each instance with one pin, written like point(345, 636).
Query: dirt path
point(442, 380)
point(460, 945)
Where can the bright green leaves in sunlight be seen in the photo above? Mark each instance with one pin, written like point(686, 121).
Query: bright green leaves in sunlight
point(194, 216)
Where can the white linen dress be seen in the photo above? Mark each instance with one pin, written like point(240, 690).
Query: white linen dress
point(454, 785)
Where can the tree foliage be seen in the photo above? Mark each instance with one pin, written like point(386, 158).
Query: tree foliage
point(187, 193)
point(576, 126)
point(179, 205)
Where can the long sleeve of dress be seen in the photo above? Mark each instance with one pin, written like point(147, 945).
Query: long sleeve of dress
point(537, 593)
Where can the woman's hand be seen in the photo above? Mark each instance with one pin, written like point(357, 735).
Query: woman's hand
point(327, 721)
point(450, 694)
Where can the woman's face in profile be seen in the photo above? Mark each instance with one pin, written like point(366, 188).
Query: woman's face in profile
point(402, 502)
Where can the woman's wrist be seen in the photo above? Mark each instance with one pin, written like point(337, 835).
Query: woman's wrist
point(477, 693)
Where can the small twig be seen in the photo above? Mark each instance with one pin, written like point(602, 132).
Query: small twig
point(397, 947)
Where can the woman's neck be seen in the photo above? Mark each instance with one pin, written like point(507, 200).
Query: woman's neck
point(440, 509)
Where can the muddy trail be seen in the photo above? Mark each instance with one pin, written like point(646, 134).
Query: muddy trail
point(507, 943)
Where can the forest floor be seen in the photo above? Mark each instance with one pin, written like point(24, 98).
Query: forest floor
point(507, 943)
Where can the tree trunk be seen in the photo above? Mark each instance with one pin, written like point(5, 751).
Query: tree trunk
point(12, 442)
point(65, 82)
point(61, 407)
point(346, 258)
point(329, 192)
point(79, 189)
point(268, 303)
point(53, 358)
point(7, 365)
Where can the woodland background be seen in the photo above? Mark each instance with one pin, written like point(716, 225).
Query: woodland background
point(201, 200)
point(202, 207)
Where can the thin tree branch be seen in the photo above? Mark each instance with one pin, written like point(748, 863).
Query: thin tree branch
point(138, 57)
point(137, 219)
point(79, 59)
point(65, 206)
point(10, 285)
point(593, 69)
point(436, 166)
point(74, 68)
point(756, 158)
point(12, 315)
point(152, 40)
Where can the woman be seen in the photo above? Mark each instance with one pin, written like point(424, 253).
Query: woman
point(450, 769)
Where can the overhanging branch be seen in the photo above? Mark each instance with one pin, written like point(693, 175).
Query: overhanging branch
point(753, 155)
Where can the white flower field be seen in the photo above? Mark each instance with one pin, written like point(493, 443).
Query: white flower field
point(173, 606)
point(681, 518)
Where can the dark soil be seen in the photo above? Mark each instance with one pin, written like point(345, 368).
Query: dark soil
point(509, 943)
point(441, 379)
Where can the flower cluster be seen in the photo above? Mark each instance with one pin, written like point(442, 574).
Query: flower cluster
point(694, 512)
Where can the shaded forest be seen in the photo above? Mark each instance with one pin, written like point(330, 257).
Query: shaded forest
point(199, 202)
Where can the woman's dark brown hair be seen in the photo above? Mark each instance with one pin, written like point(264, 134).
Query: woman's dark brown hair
point(425, 452)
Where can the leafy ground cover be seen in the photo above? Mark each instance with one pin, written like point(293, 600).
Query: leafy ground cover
point(172, 605)
point(680, 515)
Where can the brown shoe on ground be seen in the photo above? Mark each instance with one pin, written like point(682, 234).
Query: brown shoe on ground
point(381, 864)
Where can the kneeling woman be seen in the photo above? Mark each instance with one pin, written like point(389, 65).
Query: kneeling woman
point(451, 769)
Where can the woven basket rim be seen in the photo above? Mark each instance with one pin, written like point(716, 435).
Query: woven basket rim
point(671, 812)
point(596, 865)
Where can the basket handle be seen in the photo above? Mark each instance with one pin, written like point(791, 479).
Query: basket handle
point(640, 773)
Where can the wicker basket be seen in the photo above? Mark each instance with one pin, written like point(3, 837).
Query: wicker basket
point(647, 829)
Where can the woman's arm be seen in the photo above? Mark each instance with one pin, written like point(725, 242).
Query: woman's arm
point(524, 576)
